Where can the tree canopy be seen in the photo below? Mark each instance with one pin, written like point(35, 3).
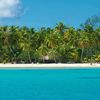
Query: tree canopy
point(60, 44)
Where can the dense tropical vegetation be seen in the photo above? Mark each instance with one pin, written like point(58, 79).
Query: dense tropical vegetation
point(60, 44)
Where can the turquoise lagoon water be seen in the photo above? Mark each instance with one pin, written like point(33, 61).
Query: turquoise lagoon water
point(50, 84)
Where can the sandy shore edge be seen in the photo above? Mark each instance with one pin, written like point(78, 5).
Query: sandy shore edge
point(84, 65)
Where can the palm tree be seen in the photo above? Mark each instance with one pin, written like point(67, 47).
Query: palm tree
point(83, 43)
point(61, 43)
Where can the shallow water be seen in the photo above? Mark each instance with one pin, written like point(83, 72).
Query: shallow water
point(50, 84)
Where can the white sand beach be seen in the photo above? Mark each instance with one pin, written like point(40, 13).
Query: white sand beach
point(83, 65)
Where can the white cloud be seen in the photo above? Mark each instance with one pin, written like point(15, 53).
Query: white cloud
point(9, 8)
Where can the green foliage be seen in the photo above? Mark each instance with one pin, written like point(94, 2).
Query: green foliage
point(62, 44)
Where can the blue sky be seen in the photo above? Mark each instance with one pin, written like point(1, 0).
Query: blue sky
point(39, 13)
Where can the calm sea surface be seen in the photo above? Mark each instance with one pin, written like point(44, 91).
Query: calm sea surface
point(50, 84)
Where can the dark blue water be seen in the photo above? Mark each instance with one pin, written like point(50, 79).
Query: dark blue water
point(50, 84)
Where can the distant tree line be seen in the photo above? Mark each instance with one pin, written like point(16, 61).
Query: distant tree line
point(60, 44)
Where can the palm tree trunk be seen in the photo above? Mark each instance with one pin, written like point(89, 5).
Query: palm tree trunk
point(12, 52)
point(29, 57)
point(82, 54)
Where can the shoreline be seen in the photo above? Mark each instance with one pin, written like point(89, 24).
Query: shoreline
point(52, 66)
